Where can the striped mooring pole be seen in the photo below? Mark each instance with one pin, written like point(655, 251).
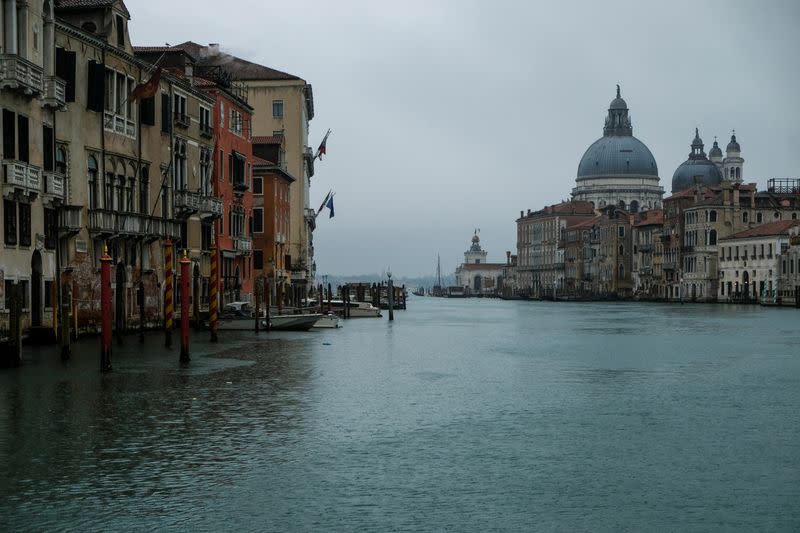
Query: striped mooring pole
point(213, 300)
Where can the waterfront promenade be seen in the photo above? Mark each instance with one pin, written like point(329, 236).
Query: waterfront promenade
point(470, 415)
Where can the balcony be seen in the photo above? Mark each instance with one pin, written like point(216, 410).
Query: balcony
point(243, 245)
point(240, 186)
point(668, 265)
point(22, 177)
point(181, 120)
point(69, 220)
point(102, 222)
point(206, 131)
point(210, 206)
point(645, 248)
point(119, 124)
point(186, 202)
point(20, 74)
point(54, 185)
point(132, 224)
point(55, 94)
point(687, 249)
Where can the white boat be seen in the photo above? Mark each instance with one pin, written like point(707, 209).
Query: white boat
point(329, 320)
point(294, 322)
point(237, 316)
point(357, 309)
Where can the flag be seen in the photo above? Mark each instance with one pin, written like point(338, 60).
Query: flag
point(147, 89)
point(322, 150)
point(324, 202)
point(330, 205)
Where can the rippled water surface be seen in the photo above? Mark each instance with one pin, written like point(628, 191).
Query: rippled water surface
point(471, 415)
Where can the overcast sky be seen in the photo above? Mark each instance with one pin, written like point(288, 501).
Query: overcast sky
point(454, 115)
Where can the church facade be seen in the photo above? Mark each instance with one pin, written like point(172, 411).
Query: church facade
point(476, 277)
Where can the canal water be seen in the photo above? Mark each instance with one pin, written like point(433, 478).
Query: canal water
point(464, 415)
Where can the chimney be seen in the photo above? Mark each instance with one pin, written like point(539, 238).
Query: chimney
point(521, 213)
point(508, 257)
point(213, 49)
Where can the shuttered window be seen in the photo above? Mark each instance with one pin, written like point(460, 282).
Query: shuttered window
point(96, 86)
point(48, 146)
point(166, 116)
point(147, 111)
point(22, 144)
point(9, 134)
point(65, 69)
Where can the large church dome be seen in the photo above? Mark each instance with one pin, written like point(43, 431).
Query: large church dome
point(697, 170)
point(617, 152)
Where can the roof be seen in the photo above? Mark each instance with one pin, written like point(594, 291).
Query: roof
point(654, 217)
point(617, 155)
point(583, 224)
point(268, 139)
point(483, 266)
point(239, 68)
point(90, 4)
point(260, 161)
point(780, 227)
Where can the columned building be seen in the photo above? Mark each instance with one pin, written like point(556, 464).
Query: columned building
point(618, 169)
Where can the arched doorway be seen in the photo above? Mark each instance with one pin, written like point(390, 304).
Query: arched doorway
point(36, 289)
point(477, 283)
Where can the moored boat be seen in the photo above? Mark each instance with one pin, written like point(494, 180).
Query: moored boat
point(328, 320)
point(293, 322)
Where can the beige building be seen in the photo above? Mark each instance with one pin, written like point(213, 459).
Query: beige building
point(648, 250)
point(283, 105)
point(475, 276)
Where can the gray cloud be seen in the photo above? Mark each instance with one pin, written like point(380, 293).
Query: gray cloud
point(454, 115)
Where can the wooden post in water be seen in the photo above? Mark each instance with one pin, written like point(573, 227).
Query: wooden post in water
point(168, 297)
point(403, 296)
point(105, 311)
point(390, 297)
point(257, 298)
point(330, 297)
point(140, 301)
point(346, 300)
point(185, 308)
point(213, 300)
point(267, 301)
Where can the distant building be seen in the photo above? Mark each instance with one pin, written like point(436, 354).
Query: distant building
point(477, 277)
point(618, 169)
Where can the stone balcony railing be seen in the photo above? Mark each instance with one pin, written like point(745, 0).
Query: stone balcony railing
point(243, 245)
point(189, 202)
point(20, 74)
point(69, 219)
point(54, 185)
point(55, 92)
point(22, 176)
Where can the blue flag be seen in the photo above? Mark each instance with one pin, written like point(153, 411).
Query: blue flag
point(329, 205)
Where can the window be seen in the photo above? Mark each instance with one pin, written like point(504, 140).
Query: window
point(120, 31)
point(236, 122)
point(205, 121)
point(50, 228)
point(65, 69)
point(258, 220)
point(776, 215)
point(95, 86)
point(119, 111)
point(712, 216)
point(144, 190)
point(205, 171)
point(222, 114)
point(277, 108)
point(258, 259)
point(48, 148)
point(744, 217)
point(147, 110)
point(10, 222)
point(24, 224)
point(205, 235)
point(712, 237)
point(621, 231)
point(22, 141)
point(179, 165)
point(221, 165)
point(258, 185)
point(61, 160)
point(759, 217)
point(9, 134)
point(166, 117)
point(108, 198)
point(179, 110)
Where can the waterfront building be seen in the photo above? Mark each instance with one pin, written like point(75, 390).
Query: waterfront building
point(754, 264)
point(648, 250)
point(788, 289)
point(611, 257)
point(618, 169)
point(475, 276)
point(540, 267)
point(283, 104)
point(31, 96)
point(576, 245)
point(272, 186)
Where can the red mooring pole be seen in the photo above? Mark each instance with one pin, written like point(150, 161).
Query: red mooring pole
point(105, 311)
point(168, 299)
point(213, 300)
point(185, 308)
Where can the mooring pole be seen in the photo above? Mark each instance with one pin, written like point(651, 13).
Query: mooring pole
point(390, 297)
point(268, 300)
point(105, 311)
point(321, 296)
point(140, 298)
point(213, 299)
point(168, 296)
point(185, 308)
point(330, 297)
point(257, 297)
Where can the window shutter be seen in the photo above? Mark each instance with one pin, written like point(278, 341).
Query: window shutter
point(23, 139)
point(65, 69)
point(48, 146)
point(147, 110)
point(9, 134)
point(96, 86)
point(166, 116)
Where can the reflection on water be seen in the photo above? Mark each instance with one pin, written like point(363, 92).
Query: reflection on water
point(461, 414)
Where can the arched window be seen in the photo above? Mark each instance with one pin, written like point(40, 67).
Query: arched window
point(61, 160)
point(794, 216)
point(621, 249)
point(144, 190)
point(744, 217)
point(776, 215)
point(712, 237)
point(712, 216)
point(621, 204)
point(634, 206)
point(622, 271)
point(738, 173)
point(93, 185)
point(731, 173)
point(759, 217)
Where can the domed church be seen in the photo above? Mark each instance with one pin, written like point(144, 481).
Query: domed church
point(708, 171)
point(618, 169)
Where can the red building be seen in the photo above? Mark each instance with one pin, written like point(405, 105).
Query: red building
point(229, 123)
